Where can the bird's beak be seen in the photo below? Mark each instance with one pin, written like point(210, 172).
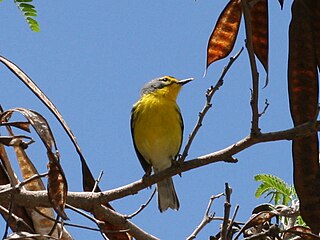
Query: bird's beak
point(184, 81)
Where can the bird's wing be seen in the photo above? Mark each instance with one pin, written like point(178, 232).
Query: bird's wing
point(182, 127)
point(146, 166)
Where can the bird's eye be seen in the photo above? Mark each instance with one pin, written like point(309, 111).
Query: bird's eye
point(164, 79)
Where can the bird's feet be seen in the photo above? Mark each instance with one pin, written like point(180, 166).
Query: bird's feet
point(176, 163)
point(146, 175)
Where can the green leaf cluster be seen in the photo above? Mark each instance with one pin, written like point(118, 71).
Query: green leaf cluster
point(279, 190)
point(29, 12)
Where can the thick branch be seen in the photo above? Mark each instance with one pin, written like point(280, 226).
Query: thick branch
point(87, 200)
point(90, 201)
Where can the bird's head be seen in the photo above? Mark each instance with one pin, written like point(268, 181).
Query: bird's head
point(164, 86)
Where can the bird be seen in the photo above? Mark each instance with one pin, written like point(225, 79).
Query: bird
point(157, 133)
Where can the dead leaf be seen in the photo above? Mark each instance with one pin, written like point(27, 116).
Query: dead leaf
point(19, 220)
point(43, 218)
point(57, 186)
point(260, 32)
point(88, 179)
point(257, 219)
point(303, 232)
point(46, 101)
point(303, 98)
point(225, 32)
point(25, 126)
point(15, 141)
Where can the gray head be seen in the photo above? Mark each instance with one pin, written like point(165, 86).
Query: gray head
point(162, 82)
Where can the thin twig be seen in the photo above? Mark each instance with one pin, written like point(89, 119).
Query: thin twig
point(70, 224)
point(119, 219)
point(207, 218)
point(227, 206)
point(81, 226)
point(255, 130)
point(17, 219)
point(21, 184)
point(229, 229)
point(8, 220)
point(30, 179)
point(221, 219)
point(143, 206)
point(25, 235)
point(266, 105)
point(54, 227)
point(96, 221)
point(209, 94)
point(96, 183)
point(99, 223)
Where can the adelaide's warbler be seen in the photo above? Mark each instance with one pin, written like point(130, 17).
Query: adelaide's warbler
point(157, 129)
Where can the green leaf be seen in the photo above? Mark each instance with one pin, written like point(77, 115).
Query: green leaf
point(31, 21)
point(26, 5)
point(29, 11)
point(30, 14)
point(35, 28)
point(277, 198)
point(279, 190)
point(300, 222)
point(262, 188)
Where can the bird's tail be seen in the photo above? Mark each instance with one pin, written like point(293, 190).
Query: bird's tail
point(167, 196)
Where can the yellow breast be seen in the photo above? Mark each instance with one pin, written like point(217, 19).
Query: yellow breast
point(157, 130)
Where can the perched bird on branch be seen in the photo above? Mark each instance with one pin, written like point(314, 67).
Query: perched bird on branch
point(157, 132)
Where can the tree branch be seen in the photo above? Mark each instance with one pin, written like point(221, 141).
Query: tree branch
point(90, 201)
point(87, 200)
point(210, 92)
point(143, 206)
point(227, 206)
point(120, 220)
point(255, 130)
point(207, 218)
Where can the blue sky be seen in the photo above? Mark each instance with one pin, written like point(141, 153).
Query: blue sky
point(91, 59)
